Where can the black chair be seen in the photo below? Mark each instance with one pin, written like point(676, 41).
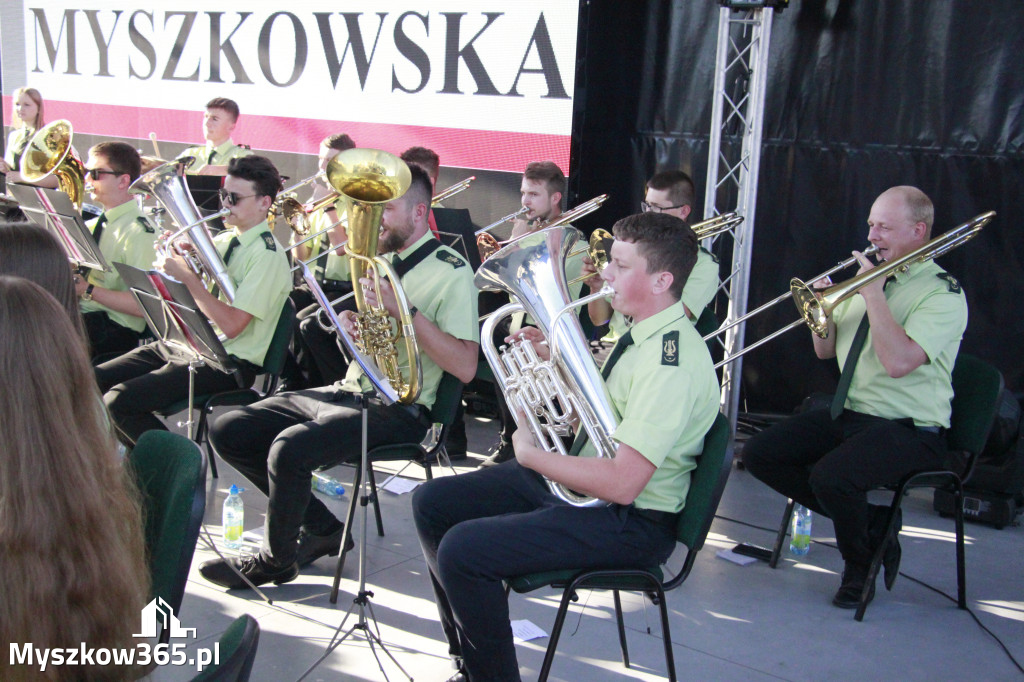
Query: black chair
point(977, 387)
point(170, 471)
point(442, 414)
point(707, 482)
point(273, 363)
point(237, 651)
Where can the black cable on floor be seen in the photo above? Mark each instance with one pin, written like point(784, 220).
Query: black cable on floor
point(911, 578)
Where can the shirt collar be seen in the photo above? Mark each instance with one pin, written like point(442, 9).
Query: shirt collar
point(223, 148)
point(250, 235)
point(118, 211)
point(412, 247)
point(647, 328)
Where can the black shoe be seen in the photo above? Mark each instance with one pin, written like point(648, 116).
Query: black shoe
point(501, 452)
point(852, 586)
point(258, 571)
point(312, 547)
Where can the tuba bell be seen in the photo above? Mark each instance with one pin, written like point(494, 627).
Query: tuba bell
point(167, 184)
point(367, 179)
point(552, 394)
point(49, 152)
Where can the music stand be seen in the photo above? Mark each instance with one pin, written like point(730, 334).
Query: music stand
point(52, 210)
point(361, 603)
point(456, 230)
point(205, 191)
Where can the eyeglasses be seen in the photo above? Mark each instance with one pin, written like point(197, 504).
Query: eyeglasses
point(232, 198)
point(654, 208)
point(95, 173)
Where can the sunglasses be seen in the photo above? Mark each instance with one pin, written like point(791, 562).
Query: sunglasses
point(232, 198)
point(96, 173)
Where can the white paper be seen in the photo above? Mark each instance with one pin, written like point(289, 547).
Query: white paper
point(399, 485)
point(524, 630)
point(732, 556)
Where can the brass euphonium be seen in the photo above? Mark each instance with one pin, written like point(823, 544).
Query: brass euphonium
point(49, 152)
point(367, 179)
point(167, 184)
point(554, 393)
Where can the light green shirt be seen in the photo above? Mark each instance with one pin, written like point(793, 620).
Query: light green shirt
point(222, 154)
point(259, 270)
point(127, 238)
point(16, 141)
point(698, 292)
point(665, 390)
point(337, 265)
point(441, 287)
point(931, 307)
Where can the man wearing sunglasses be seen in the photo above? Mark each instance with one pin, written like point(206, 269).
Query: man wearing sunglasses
point(112, 316)
point(219, 122)
point(672, 193)
point(150, 378)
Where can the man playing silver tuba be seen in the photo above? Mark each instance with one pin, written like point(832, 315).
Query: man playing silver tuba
point(483, 527)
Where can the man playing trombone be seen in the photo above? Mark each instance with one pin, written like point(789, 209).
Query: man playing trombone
point(277, 443)
point(151, 378)
point(893, 416)
point(480, 528)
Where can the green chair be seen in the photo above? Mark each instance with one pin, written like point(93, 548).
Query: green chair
point(170, 471)
point(237, 651)
point(977, 387)
point(442, 414)
point(273, 364)
point(707, 482)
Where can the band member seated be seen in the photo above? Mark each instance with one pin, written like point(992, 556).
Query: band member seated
point(153, 377)
point(112, 315)
point(219, 122)
point(670, 192)
point(317, 360)
point(291, 435)
point(26, 119)
point(893, 418)
point(541, 192)
point(480, 528)
point(428, 160)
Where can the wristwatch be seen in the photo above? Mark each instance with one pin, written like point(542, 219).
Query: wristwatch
point(412, 311)
point(87, 294)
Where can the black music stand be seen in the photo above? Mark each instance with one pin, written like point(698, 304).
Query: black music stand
point(52, 210)
point(361, 603)
point(456, 230)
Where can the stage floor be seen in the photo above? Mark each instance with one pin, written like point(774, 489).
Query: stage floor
point(728, 622)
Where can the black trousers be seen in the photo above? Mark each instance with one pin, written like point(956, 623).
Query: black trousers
point(106, 336)
point(150, 379)
point(279, 442)
point(321, 349)
point(479, 528)
point(830, 465)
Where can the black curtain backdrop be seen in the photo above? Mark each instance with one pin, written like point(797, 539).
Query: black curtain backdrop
point(861, 95)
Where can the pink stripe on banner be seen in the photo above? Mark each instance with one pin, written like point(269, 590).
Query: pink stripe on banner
point(461, 148)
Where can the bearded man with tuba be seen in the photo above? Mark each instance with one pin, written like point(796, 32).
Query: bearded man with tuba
point(153, 377)
point(295, 433)
point(480, 528)
point(893, 417)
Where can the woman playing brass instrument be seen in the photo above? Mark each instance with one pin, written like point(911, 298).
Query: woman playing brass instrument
point(26, 119)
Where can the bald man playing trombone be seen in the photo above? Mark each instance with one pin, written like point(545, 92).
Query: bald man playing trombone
point(894, 416)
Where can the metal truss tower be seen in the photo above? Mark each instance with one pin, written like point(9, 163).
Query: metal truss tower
point(734, 153)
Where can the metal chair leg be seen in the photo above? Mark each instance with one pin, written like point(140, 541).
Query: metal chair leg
point(666, 635)
point(376, 504)
point(961, 560)
point(622, 628)
point(556, 631)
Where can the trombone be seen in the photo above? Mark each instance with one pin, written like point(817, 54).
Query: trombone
point(815, 307)
point(451, 191)
point(488, 245)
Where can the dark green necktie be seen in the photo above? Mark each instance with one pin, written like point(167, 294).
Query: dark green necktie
point(213, 154)
point(97, 230)
point(232, 245)
point(624, 342)
point(843, 389)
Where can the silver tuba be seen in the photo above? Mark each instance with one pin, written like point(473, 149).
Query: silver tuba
point(553, 394)
point(167, 184)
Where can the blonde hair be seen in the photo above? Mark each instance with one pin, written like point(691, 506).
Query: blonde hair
point(71, 534)
point(34, 95)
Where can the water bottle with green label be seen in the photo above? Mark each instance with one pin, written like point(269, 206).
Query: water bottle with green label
point(233, 519)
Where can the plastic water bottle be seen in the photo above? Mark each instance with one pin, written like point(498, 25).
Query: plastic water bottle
point(233, 518)
point(328, 485)
point(801, 541)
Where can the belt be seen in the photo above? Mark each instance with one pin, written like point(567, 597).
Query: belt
point(662, 518)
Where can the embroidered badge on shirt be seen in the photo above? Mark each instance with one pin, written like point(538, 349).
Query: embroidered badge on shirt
point(954, 286)
point(450, 258)
point(145, 224)
point(670, 349)
point(268, 241)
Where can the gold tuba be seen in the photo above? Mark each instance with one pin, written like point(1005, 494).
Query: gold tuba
point(554, 393)
point(49, 152)
point(367, 179)
point(167, 184)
